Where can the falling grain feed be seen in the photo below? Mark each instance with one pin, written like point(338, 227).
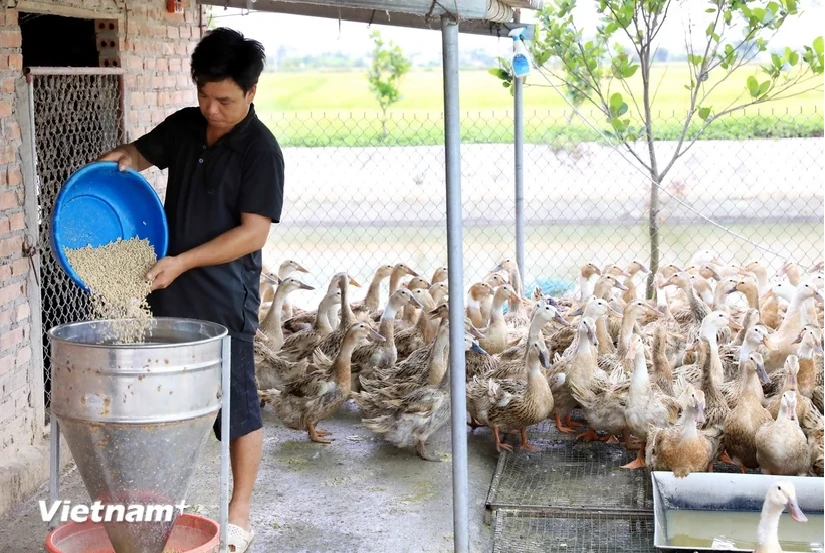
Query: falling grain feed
point(116, 275)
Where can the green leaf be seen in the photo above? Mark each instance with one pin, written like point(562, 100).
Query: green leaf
point(616, 102)
point(622, 110)
point(704, 113)
point(618, 124)
point(629, 71)
point(763, 88)
point(753, 86)
point(777, 61)
point(818, 45)
point(793, 58)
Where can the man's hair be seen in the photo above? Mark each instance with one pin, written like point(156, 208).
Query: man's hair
point(225, 54)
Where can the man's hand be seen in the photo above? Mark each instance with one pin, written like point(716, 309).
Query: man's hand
point(127, 157)
point(121, 156)
point(166, 271)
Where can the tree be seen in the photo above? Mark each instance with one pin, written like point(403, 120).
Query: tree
point(737, 32)
point(385, 72)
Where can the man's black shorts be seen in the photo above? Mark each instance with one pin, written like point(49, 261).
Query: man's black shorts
point(244, 405)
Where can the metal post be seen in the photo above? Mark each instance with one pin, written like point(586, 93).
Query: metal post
point(54, 465)
point(518, 142)
point(452, 142)
point(226, 362)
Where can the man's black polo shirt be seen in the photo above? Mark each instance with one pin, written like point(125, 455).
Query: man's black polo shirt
point(207, 190)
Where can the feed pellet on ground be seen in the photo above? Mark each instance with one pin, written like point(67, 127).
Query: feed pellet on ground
point(116, 275)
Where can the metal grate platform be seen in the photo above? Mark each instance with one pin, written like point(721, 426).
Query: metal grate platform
point(569, 474)
point(570, 532)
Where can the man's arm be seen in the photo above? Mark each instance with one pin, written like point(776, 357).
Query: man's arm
point(250, 236)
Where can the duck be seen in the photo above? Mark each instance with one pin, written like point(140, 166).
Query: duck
point(682, 448)
point(780, 496)
point(634, 282)
point(747, 415)
point(410, 420)
point(383, 354)
point(781, 445)
point(271, 326)
point(646, 404)
point(495, 334)
point(478, 293)
point(303, 403)
point(806, 414)
point(749, 381)
point(586, 274)
point(310, 338)
point(511, 360)
point(513, 405)
point(372, 301)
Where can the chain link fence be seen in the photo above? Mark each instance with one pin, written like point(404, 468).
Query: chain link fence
point(76, 117)
point(361, 192)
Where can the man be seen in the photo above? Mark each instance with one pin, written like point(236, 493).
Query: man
point(225, 188)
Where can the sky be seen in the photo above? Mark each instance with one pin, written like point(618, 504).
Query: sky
point(318, 35)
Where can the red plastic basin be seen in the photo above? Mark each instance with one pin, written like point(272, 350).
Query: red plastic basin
point(191, 534)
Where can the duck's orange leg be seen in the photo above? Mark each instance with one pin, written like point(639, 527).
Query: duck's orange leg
point(561, 427)
point(499, 445)
point(569, 422)
point(524, 444)
point(316, 435)
point(639, 462)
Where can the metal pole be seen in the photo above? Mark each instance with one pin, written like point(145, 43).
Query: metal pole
point(226, 363)
point(54, 464)
point(452, 142)
point(518, 142)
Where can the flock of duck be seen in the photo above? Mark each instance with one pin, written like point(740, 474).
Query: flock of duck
point(726, 364)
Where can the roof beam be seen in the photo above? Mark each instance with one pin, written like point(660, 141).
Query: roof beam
point(381, 14)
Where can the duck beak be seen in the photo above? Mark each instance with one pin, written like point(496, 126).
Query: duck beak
point(476, 332)
point(416, 303)
point(497, 268)
point(376, 337)
point(620, 286)
point(767, 343)
point(478, 349)
point(305, 287)
point(615, 313)
point(732, 290)
point(818, 349)
point(272, 278)
point(301, 269)
point(734, 325)
point(624, 273)
point(577, 312)
point(799, 338)
point(818, 296)
point(655, 311)
point(715, 276)
point(559, 319)
point(699, 417)
point(644, 269)
point(793, 509)
point(763, 374)
point(543, 360)
point(412, 273)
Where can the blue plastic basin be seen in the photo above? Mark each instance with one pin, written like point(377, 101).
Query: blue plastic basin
point(99, 204)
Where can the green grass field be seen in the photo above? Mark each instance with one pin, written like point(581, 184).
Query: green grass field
point(337, 109)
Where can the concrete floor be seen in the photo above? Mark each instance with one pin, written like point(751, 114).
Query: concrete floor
point(358, 494)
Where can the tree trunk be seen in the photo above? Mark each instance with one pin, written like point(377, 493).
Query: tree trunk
point(384, 126)
point(653, 228)
point(655, 177)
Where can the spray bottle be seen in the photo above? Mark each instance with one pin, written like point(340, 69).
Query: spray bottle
point(521, 57)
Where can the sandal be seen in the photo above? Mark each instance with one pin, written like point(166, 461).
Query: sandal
point(238, 539)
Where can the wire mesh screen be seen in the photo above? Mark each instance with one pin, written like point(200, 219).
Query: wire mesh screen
point(358, 197)
point(76, 119)
point(520, 532)
point(565, 474)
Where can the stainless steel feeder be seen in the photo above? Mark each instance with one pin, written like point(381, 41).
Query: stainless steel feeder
point(136, 416)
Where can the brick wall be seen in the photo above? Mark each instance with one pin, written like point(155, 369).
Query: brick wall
point(154, 47)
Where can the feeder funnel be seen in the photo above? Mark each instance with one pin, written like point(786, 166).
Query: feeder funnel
point(136, 418)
